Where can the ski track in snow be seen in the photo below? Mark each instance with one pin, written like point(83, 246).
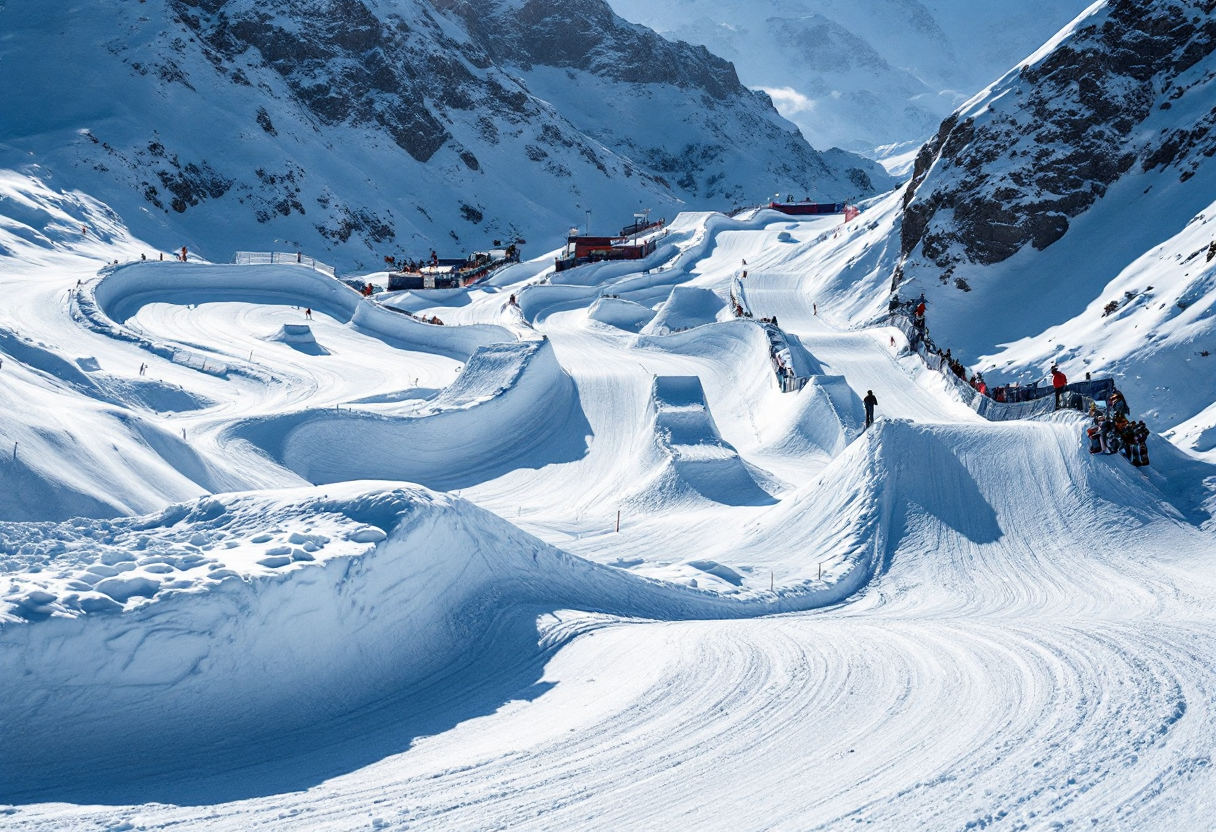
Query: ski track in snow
point(1029, 644)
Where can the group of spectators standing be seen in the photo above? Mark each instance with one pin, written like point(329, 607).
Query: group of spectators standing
point(1113, 431)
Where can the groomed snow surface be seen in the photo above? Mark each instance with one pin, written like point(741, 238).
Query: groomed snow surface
point(344, 570)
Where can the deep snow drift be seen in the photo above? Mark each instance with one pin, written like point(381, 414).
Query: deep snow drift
point(231, 598)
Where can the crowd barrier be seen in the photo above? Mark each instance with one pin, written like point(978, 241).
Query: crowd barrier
point(1032, 400)
point(275, 258)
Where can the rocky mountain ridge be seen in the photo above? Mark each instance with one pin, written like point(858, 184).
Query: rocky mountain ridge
point(1043, 145)
point(1064, 216)
point(359, 128)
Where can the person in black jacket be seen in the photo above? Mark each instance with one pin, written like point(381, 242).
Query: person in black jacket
point(869, 401)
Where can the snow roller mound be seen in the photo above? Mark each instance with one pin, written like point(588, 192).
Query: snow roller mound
point(300, 338)
point(620, 313)
point(236, 630)
point(686, 307)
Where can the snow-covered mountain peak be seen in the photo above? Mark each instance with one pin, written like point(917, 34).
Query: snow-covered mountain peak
point(874, 76)
point(359, 130)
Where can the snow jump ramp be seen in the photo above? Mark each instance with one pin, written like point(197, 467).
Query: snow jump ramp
point(299, 337)
point(694, 455)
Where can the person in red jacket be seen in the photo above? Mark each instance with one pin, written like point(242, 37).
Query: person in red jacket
point(1058, 380)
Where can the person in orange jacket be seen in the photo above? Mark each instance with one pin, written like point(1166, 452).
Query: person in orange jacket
point(1058, 381)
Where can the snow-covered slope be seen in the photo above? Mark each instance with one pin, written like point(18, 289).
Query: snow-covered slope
point(1046, 199)
point(581, 636)
point(361, 130)
point(1079, 182)
point(873, 76)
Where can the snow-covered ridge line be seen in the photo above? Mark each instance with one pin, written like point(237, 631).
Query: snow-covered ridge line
point(688, 239)
point(224, 139)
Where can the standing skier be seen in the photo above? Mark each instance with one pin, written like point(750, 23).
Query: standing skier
point(869, 401)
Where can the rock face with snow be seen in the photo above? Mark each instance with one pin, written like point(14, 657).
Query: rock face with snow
point(1061, 216)
point(1039, 148)
point(357, 130)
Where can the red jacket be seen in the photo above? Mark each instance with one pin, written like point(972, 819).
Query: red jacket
point(1058, 379)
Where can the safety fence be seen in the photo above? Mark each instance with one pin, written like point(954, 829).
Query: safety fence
point(275, 258)
point(1023, 402)
point(779, 352)
point(918, 340)
point(202, 363)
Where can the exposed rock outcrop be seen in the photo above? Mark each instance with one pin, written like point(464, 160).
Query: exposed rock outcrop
point(1036, 150)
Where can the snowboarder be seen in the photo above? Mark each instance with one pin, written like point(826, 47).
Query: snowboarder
point(1058, 381)
point(308, 312)
point(869, 401)
point(814, 309)
point(184, 253)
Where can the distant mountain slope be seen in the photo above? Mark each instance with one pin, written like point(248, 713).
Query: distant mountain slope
point(355, 129)
point(1082, 181)
point(861, 74)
